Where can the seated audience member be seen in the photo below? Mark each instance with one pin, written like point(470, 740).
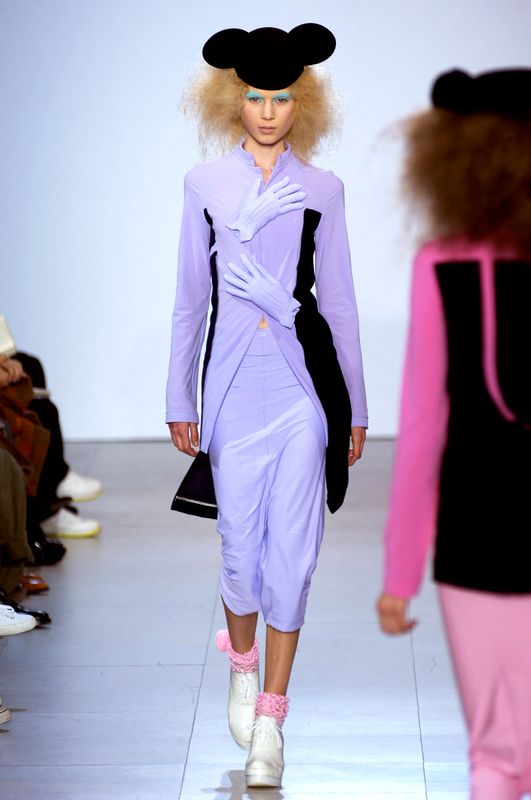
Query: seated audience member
point(49, 507)
point(25, 438)
point(14, 549)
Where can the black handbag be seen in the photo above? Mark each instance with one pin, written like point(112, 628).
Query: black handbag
point(196, 494)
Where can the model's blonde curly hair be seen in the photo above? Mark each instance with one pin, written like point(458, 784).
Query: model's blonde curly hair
point(470, 175)
point(215, 98)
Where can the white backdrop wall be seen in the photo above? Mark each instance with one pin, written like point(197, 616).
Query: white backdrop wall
point(94, 149)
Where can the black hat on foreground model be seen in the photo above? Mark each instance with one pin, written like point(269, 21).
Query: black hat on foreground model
point(269, 58)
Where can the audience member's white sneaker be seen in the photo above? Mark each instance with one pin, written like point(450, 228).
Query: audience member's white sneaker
point(78, 487)
point(265, 764)
point(12, 622)
point(5, 713)
point(66, 524)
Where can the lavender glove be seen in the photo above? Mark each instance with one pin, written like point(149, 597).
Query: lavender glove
point(251, 281)
point(259, 209)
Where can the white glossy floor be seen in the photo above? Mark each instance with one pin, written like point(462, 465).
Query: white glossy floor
point(124, 695)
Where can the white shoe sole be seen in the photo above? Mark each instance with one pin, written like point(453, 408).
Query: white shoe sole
point(5, 715)
point(83, 535)
point(262, 781)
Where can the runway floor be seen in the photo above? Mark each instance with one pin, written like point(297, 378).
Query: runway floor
point(124, 695)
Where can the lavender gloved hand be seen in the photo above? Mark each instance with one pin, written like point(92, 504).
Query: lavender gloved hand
point(259, 209)
point(251, 281)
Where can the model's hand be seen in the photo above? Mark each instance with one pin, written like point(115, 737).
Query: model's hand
point(185, 437)
point(357, 436)
point(251, 281)
point(259, 209)
point(393, 614)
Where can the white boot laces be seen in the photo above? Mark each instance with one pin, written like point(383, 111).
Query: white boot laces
point(246, 687)
point(265, 730)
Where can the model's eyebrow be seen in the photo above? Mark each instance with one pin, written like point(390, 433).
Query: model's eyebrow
point(282, 96)
point(251, 95)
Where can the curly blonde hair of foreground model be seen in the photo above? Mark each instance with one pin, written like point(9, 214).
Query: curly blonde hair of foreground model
point(215, 98)
point(470, 175)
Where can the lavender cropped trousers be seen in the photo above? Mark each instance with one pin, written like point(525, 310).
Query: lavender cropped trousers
point(268, 464)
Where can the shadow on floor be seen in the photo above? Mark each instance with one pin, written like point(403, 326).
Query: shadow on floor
point(233, 788)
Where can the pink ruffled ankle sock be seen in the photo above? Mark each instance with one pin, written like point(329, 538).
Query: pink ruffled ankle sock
point(272, 705)
point(239, 662)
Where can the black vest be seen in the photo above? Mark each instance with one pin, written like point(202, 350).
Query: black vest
point(484, 518)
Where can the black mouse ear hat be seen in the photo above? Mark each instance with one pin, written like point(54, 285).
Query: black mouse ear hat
point(506, 91)
point(269, 58)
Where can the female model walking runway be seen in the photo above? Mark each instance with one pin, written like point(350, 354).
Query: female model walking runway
point(283, 400)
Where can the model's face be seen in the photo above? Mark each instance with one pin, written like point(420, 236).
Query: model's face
point(268, 116)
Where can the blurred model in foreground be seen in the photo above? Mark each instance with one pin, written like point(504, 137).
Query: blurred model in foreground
point(283, 393)
point(463, 461)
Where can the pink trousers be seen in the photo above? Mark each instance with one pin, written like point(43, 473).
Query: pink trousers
point(490, 642)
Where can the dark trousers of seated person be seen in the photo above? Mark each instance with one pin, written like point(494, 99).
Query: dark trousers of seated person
point(14, 549)
point(55, 467)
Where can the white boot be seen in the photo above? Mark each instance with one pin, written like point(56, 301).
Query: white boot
point(243, 691)
point(265, 764)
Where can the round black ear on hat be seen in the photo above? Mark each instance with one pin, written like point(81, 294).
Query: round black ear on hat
point(313, 43)
point(453, 91)
point(504, 91)
point(223, 50)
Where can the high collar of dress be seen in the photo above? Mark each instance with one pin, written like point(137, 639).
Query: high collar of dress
point(282, 159)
